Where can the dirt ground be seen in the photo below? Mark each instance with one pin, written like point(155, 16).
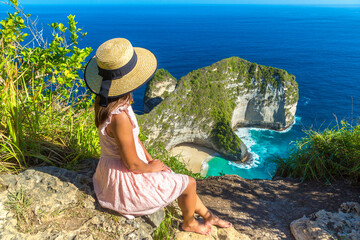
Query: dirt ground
point(264, 209)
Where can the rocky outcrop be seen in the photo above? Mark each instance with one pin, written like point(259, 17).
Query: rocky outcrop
point(158, 88)
point(216, 234)
point(264, 209)
point(344, 224)
point(209, 103)
point(55, 203)
point(273, 108)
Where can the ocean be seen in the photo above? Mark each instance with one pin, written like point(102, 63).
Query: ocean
point(319, 44)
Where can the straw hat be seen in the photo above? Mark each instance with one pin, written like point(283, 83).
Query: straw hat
point(118, 68)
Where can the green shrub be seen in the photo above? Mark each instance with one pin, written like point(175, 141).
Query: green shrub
point(171, 222)
point(224, 137)
point(44, 118)
point(325, 156)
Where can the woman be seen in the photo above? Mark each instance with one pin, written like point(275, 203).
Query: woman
point(127, 179)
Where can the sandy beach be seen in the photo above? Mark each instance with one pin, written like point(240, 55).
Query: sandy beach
point(192, 155)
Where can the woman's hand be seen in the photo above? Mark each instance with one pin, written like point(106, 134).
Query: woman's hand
point(164, 168)
point(157, 165)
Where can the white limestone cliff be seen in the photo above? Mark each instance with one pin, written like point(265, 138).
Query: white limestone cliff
point(208, 104)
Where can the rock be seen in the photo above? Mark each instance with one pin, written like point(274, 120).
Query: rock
point(155, 219)
point(216, 234)
point(264, 209)
point(55, 203)
point(230, 233)
point(344, 224)
point(162, 84)
point(258, 209)
point(209, 103)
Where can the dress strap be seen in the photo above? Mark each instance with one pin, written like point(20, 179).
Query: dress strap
point(122, 108)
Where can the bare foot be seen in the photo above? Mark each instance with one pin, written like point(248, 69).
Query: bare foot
point(214, 220)
point(197, 227)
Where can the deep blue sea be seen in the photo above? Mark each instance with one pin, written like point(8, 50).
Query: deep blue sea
point(320, 45)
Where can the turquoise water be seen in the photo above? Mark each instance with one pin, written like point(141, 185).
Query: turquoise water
point(263, 145)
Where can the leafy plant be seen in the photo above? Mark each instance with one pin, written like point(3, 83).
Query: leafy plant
point(324, 156)
point(172, 221)
point(45, 118)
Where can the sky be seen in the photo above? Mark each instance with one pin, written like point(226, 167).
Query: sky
point(287, 2)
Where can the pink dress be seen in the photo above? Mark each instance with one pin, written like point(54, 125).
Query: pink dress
point(132, 194)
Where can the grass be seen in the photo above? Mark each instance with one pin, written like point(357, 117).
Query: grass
point(172, 221)
point(19, 204)
point(44, 120)
point(329, 155)
point(33, 131)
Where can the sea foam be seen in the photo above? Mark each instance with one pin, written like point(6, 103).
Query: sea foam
point(245, 135)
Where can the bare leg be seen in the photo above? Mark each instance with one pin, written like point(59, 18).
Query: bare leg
point(208, 216)
point(187, 203)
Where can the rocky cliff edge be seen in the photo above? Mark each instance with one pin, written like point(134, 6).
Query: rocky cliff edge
point(55, 203)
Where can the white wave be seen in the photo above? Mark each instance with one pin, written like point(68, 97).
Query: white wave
point(244, 135)
point(250, 164)
point(204, 168)
point(205, 165)
point(297, 120)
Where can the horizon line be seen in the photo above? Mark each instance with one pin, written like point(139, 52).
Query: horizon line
point(267, 4)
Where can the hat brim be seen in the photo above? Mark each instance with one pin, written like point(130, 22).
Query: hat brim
point(143, 71)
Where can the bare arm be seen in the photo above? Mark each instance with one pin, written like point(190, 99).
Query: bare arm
point(121, 129)
point(147, 155)
point(149, 158)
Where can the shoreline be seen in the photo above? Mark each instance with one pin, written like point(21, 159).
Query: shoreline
point(195, 157)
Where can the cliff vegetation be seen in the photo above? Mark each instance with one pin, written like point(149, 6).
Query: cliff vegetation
point(204, 107)
point(327, 156)
point(160, 86)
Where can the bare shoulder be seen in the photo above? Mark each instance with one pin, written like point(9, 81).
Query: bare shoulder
point(121, 129)
point(120, 121)
point(120, 118)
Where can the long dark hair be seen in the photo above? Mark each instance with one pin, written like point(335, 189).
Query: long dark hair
point(102, 113)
